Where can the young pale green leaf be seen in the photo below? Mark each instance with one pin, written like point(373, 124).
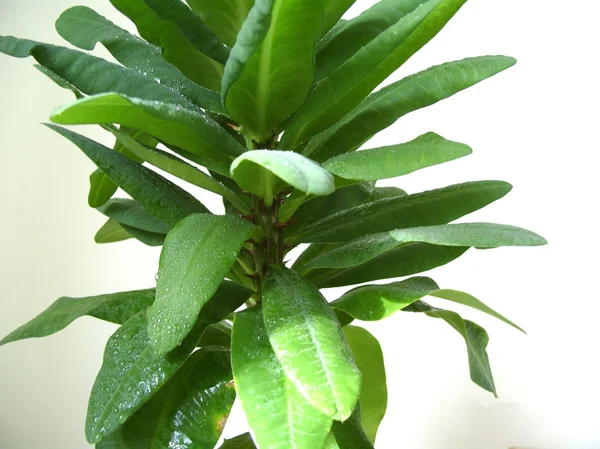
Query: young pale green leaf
point(158, 196)
point(479, 235)
point(115, 307)
point(172, 418)
point(265, 173)
point(130, 213)
point(347, 85)
point(197, 254)
point(277, 413)
point(189, 129)
point(434, 207)
point(373, 396)
point(349, 434)
point(240, 442)
point(186, 41)
point(272, 64)
point(225, 17)
point(85, 28)
point(111, 232)
point(310, 344)
point(333, 13)
point(132, 372)
point(396, 160)
point(384, 107)
point(475, 337)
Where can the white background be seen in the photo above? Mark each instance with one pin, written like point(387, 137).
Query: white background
point(534, 126)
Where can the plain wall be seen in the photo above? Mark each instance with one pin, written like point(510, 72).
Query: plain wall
point(534, 126)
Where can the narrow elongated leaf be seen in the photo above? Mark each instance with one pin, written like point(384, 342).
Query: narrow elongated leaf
point(271, 67)
point(224, 18)
point(396, 160)
point(333, 13)
point(217, 335)
point(158, 196)
point(277, 413)
point(350, 83)
point(373, 396)
point(111, 232)
point(186, 41)
point(265, 173)
point(349, 434)
point(173, 418)
point(480, 235)
point(114, 307)
point(240, 442)
point(309, 342)
point(384, 107)
point(132, 372)
point(430, 208)
point(147, 237)
point(197, 254)
point(185, 128)
point(85, 28)
point(130, 213)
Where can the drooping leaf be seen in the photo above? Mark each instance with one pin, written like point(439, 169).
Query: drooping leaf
point(174, 417)
point(309, 342)
point(351, 82)
point(85, 28)
point(111, 232)
point(265, 173)
point(277, 413)
point(224, 17)
point(132, 372)
point(383, 108)
point(373, 396)
point(396, 160)
point(333, 13)
point(429, 208)
point(160, 197)
point(191, 130)
point(479, 235)
point(243, 441)
point(186, 41)
point(114, 307)
point(349, 434)
point(271, 67)
point(197, 254)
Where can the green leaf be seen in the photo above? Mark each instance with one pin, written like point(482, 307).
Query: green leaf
point(475, 337)
point(111, 232)
point(310, 344)
point(373, 396)
point(217, 335)
point(265, 173)
point(372, 63)
point(146, 237)
point(130, 213)
point(396, 160)
point(172, 418)
point(271, 67)
point(240, 442)
point(480, 235)
point(224, 17)
point(186, 41)
point(278, 415)
point(132, 372)
point(429, 208)
point(160, 197)
point(197, 254)
point(333, 13)
point(115, 307)
point(191, 130)
point(85, 28)
point(383, 108)
point(349, 434)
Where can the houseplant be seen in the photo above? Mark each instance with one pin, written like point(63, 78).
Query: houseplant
point(272, 98)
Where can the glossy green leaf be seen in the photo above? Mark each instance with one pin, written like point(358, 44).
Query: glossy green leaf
point(173, 417)
point(346, 86)
point(111, 232)
point(271, 67)
point(132, 372)
point(277, 413)
point(217, 335)
point(223, 17)
point(265, 173)
point(158, 196)
point(429, 208)
point(349, 434)
point(480, 235)
point(197, 254)
point(243, 441)
point(383, 108)
point(186, 41)
point(191, 130)
point(115, 307)
point(396, 160)
point(130, 213)
point(373, 396)
point(333, 13)
point(85, 28)
point(309, 342)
